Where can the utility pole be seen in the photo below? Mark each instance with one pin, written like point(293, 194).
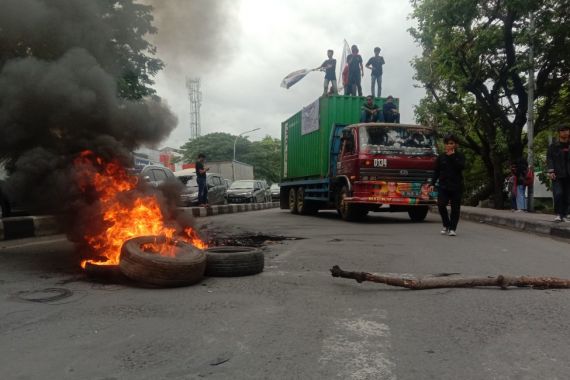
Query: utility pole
point(195, 97)
point(530, 115)
point(234, 160)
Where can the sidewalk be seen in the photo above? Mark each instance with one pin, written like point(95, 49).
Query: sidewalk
point(523, 221)
point(20, 227)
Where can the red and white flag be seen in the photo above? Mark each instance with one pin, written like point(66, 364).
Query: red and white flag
point(343, 62)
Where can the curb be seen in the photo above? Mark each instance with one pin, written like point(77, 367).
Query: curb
point(533, 226)
point(20, 227)
point(199, 212)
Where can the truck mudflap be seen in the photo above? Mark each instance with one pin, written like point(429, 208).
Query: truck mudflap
point(396, 193)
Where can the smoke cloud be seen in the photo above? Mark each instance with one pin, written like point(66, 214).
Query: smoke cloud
point(60, 63)
point(194, 37)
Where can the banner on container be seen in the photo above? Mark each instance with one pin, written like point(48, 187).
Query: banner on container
point(310, 118)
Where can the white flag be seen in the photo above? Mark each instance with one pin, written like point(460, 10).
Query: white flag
point(343, 62)
point(294, 77)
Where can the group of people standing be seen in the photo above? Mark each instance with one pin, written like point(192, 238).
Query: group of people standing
point(353, 72)
point(516, 183)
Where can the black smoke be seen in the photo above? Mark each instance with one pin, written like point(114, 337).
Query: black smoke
point(64, 66)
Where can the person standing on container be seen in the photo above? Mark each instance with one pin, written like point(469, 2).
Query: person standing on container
point(449, 172)
point(375, 64)
point(329, 67)
point(558, 170)
point(355, 71)
point(201, 179)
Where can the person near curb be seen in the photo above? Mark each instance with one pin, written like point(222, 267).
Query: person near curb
point(201, 179)
point(329, 67)
point(510, 187)
point(355, 71)
point(521, 175)
point(375, 64)
point(370, 112)
point(449, 172)
point(558, 170)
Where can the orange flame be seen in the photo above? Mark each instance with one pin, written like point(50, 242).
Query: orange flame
point(124, 217)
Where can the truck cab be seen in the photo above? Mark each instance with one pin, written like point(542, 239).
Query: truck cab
point(385, 164)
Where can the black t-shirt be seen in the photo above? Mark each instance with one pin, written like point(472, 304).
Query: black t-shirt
point(376, 63)
point(354, 62)
point(199, 169)
point(330, 73)
point(388, 110)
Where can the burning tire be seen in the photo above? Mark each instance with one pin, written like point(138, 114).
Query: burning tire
point(233, 261)
point(186, 267)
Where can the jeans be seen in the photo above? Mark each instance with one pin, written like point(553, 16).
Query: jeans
point(377, 80)
point(561, 193)
point(354, 85)
point(202, 190)
point(366, 117)
point(326, 86)
point(521, 201)
point(443, 198)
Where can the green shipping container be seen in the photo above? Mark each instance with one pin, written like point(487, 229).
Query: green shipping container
point(306, 156)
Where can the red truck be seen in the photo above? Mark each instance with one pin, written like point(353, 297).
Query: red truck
point(331, 161)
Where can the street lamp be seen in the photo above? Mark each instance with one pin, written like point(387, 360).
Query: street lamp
point(234, 160)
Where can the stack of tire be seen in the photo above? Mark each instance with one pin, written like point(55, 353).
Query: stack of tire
point(189, 265)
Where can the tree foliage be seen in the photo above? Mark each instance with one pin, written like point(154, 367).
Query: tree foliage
point(475, 65)
point(264, 155)
point(112, 31)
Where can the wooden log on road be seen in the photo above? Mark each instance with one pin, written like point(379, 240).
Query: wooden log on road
point(452, 280)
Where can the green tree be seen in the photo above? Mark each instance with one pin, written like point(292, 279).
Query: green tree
point(474, 66)
point(112, 31)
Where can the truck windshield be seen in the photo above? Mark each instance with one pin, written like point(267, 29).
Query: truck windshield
point(396, 140)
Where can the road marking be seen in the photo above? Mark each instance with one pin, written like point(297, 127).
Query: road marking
point(359, 347)
point(31, 243)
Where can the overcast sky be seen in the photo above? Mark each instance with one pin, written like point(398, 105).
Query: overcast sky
point(242, 49)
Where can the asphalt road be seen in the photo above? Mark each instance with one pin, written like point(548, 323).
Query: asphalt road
point(294, 321)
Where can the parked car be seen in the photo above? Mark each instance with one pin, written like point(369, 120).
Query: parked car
point(275, 192)
point(216, 189)
point(246, 191)
point(156, 175)
point(265, 187)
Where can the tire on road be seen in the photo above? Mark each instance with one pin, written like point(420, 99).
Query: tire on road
point(187, 267)
point(233, 261)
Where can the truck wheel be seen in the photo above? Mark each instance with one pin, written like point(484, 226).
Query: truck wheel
point(301, 201)
point(418, 213)
point(293, 200)
point(347, 211)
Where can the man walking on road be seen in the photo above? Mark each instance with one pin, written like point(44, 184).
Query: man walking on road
point(557, 162)
point(202, 180)
point(449, 171)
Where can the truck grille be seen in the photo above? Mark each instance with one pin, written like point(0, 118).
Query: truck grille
point(396, 175)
